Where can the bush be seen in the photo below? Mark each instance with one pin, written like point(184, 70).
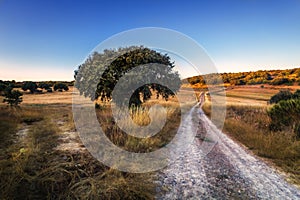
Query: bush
point(2, 87)
point(45, 86)
point(12, 97)
point(281, 95)
point(280, 81)
point(285, 114)
point(61, 87)
point(29, 85)
point(296, 95)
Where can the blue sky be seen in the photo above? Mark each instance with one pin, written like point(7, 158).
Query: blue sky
point(43, 40)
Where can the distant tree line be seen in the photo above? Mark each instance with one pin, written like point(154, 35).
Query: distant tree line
point(14, 97)
point(272, 77)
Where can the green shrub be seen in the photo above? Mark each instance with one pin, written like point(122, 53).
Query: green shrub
point(279, 81)
point(281, 95)
point(29, 85)
point(296, 94)
point(12, 97)
point(285, 114)
point(60, 87)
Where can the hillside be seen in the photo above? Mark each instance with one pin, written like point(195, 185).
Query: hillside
point(272, 77)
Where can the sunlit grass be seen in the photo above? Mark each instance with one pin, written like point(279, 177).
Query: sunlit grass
point(140, 116)
point(32, 167)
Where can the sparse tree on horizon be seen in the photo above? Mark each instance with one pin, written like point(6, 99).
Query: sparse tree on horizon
point(60, 87)
point(12, 97)
point(29, 85)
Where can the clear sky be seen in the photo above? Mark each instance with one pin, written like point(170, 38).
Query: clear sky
point(47, 40)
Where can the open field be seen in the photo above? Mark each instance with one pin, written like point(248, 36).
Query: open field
point(42, 155)
point(253, 95)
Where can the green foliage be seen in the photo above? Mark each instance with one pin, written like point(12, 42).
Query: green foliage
point(113, 64)
point(281, 95)
point(60, 87)
point(280, 81)
point(29, 85)
point(2, 87)
point(44, 85)
point(12, 97)
point(296, 94)
point(285, 114)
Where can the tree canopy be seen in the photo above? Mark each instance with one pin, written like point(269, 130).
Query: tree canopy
point(60, 86)
point(29, 85)
point(44, 85)
point(114, 64)
point(12, 97)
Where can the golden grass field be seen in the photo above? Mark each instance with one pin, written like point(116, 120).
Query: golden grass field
point(42, 156)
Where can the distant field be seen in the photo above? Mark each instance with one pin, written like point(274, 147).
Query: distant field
point(241, 95)
point(65, 97)
point(253, 95)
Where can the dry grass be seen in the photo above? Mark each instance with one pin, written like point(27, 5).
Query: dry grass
point(253, 94)
point(31, 167)
point(141, 117)
point(249, 126)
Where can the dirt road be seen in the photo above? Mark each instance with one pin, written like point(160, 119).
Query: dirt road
point(228, 171)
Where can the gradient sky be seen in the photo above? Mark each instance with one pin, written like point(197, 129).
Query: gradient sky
point(47, 40)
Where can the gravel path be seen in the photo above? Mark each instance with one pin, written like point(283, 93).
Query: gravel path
point(226, 172)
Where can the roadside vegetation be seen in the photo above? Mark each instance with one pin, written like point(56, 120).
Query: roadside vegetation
point(32, 167)
point(270, 131)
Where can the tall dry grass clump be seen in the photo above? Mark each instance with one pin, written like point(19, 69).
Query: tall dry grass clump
point(140, 116)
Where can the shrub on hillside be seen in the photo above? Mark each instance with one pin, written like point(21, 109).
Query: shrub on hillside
point(280, 81)
point(285, 114)
point(296, 95)
point(281, 95)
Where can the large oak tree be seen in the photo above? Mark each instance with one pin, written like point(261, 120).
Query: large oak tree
point(113, 64)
